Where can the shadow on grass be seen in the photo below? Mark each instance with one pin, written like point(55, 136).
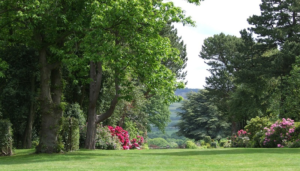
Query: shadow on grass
point(28, 156)
point(244, 151)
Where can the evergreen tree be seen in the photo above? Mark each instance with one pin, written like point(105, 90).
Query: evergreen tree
point(200, 118)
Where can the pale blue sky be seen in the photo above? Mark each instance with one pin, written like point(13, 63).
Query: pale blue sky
point(212, 17)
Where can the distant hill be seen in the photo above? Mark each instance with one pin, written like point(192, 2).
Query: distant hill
point(183, 92)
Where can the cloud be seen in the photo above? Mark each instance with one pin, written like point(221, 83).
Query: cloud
point(212, 17)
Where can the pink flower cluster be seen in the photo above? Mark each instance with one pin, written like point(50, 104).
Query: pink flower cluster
point(124, 138)
point(283, 128)
point(242, 133)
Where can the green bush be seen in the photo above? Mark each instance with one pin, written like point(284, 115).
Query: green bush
point(191, 145)
point(222, 142)
point(207, 139)
point(255, 125)
point(145, 146)
point(214, 144)
point(73, 110)
point(257, 140)
point(227, 144)
point(70, 134)
point(173, 145)
point(5, 138)
point(202, 142)
point(207, 145)
point(159, 142)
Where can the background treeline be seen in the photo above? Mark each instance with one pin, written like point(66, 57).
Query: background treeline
point(115, 62)
point(256, 74)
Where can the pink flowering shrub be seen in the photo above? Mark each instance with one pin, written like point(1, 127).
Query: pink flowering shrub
point(279, 133)
point(123, 137)
point(242, 133)
point(242, 140)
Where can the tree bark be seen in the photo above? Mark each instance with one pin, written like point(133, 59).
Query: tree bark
point(51, 111)
point(95, 85)
point(28, 131)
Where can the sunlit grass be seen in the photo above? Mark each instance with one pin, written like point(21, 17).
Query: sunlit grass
point(167, 159)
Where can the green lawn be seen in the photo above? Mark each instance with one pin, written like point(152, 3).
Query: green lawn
point(168, 159)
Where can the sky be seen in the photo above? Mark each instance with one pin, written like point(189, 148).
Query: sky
point(212, 17)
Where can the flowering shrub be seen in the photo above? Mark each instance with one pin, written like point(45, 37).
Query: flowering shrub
point(242, 133)
point(279, 133)
point(105, 140)
point(242, 140)
point(123, 137)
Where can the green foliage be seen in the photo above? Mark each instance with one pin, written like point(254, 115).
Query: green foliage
point(200, 118)
point(223, 141)
point(256, 124)
point(202, 142)
point(104, 139)
point(191, 145)
point(6, 138)
point(159, 142)
point(145, 146)
point(214, 144)
point(207, 145)
point(207, 139)
point(70, 133)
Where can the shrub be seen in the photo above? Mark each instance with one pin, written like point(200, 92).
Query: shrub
point(207, 139)
point(73, 110)
point(279, 133)
point(257, 140)
point(202, 142)
point(255, 125)
point(145, 146)
point(70, 134)
point(159, 142)
point(207, 145)
point(227, 144)
point(191, 145)
point(222, 142)
point(106, 140)
point(173, 145)
point(214, 144)
point(5, 138)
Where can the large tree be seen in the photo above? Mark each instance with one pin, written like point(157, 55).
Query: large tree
point(200, 118)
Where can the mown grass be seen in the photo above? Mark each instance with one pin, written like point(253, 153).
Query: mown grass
point(167, 159)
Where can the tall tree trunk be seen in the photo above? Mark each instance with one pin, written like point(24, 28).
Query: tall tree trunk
point(28, 131)
point(51, 111)
point(95, 85)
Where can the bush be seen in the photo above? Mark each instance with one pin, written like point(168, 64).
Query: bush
point(257, 140)
point(202, 142)
point(73, 110)
point(190, 145)
point(145, 146)
point(70, 134)
point(279, 133)
point(106, 141)
point(223, 141)
point(207, 145)
point(5, 138)
point(207, 139)
point(214, 144)
point(159, 142)
point(227, 144)
point(255, 125)
point(173, 145)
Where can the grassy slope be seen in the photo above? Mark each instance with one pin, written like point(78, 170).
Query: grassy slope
point(179, 159)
